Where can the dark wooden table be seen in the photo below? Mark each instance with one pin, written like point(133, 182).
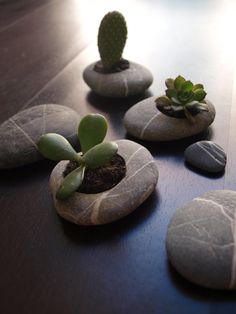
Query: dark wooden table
point(51, 266)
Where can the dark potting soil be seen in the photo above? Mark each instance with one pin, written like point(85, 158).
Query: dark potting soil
point(178, 114)
point(121, 65)
point(102, 178)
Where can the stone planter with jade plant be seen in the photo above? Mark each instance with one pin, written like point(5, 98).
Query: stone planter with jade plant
point(105, 181)
point(114, 76)
point(182, 112)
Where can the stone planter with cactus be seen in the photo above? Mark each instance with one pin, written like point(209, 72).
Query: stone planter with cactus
point(114, 76)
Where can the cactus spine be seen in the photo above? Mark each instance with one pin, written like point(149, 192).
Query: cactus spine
point(112, 36)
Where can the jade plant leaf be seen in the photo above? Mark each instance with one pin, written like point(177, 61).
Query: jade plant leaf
point(56, 147)
point(71, 183)
point(92, 131)
point(100, 154)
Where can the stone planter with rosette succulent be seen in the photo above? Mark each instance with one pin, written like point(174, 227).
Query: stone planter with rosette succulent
point(105, 181)
point(114, 76)
point(182, 112)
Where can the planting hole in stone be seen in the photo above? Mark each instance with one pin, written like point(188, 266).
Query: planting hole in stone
point(101, 178)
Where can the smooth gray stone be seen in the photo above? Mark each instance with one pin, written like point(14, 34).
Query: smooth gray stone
point(101, 208)
point(206, 155)
point(20, 133)
point(144, 121)
point(132, 81)
point(201, 240)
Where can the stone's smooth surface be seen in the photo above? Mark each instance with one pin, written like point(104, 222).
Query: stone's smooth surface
point(146, 122)
point(201, 240)
point(20, 133)
point(132, 81)
point(206, 155)
point(101, 208)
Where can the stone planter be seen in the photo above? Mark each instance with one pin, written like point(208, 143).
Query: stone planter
point(144, 121)
point(132, 81)
point(105, 207)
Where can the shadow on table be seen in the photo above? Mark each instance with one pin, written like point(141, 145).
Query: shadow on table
point(177, 147)
point(92, 235)
point(32, 172)
point(115, 107)
point(199, 293)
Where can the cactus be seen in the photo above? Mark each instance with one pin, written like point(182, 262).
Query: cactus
point(112, 36)
point(183, 99)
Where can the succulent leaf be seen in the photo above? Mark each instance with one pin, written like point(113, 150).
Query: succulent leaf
point(199, 94)
point(178, 82)
point(187, 86)
point(56, 147)
point(92, 131)
point(170, 83)
point(171, 93)
point(197, 86)
point(202, 107)
point(112, 36)
point(71, 183)
point(163, 101)
point(100, 154)
point(185, 99)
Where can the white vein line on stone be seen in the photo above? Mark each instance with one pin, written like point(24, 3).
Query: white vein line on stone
point(95, 210)
point(187, 223)
point(22, 131)
point(97, 203)
point(44, 119)
point(193, 221)
point(217, 204)
point(119, 194)
point(190, 223)
point(147, 125)
point(224, 246)
point(131, 157)
point(140, 169)
point(233, 270)
point(210, 154)
point(126, 87)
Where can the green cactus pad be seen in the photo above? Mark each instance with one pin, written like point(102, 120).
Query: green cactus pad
point(112, 36)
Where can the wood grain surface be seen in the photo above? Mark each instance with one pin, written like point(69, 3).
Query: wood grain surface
point(48, 265)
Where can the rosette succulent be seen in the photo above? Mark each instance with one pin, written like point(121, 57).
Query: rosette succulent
point(183, 99)
point(112, 36)
point(95, 153)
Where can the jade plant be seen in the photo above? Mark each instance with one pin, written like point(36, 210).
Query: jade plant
point(183, 99)
point(94, 152)
point(112, 36)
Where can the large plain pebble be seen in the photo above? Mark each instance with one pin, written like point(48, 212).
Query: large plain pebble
point(144, 121)
point(201, 240)
point(101, 208)
point(20, 133)
point(132, 81)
